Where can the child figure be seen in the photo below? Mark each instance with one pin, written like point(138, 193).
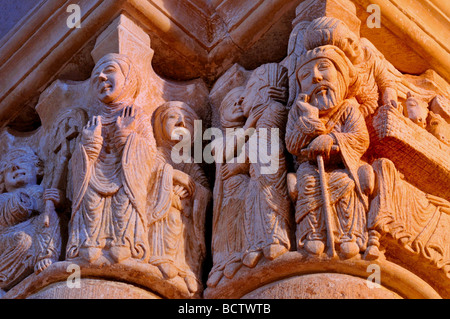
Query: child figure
point(25, 243)
point(374, 76)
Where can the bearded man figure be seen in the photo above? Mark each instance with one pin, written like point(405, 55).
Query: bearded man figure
point(326, 118)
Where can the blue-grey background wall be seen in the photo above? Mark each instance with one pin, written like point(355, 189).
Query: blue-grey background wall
point(12, 11)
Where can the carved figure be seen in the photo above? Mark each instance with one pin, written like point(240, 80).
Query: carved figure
point(26, 244)
point(371, 67)
point(180, 236)
point(230, 189)
point(119, 185)
point(267, 205)
point(326, 122)
point(411, 218)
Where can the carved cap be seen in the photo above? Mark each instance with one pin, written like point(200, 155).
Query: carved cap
point(340, 61)
point(327, 31)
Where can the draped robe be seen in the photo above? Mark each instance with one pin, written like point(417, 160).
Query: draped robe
point(349, 205)
point(23, 239)
point(117, 196)
point(267, 204)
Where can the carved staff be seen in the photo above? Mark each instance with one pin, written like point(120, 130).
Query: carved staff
point(326, 206)
point(327, 209)
point(57, 176)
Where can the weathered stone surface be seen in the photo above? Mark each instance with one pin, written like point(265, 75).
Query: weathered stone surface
point(93, 289)
point(322, 286)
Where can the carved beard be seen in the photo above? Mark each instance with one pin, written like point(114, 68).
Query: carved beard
point(325, 96)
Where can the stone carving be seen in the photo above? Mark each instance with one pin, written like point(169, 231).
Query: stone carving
point(414, 220)
point(30, 237)
point(371, 68)
point(327, 127)
point(229, 194)
point(252, 207)
point(112, 167)
point(131, 202)
point(418, 111)
point(177, 239)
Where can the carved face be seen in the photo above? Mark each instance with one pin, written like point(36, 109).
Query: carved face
point(231, 109)
point(352, 49)
point(177, 120)
point(416, 112)
point(319, 79)
point(249, 97)
point(109, 82)
point(19, 174)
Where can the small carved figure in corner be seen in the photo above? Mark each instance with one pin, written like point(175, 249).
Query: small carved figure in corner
point(418, 111)
point(26, 244)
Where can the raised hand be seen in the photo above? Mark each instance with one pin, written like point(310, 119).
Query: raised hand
point(92, 132)
point(126, 122)
point(91, 137)
point(125, 125)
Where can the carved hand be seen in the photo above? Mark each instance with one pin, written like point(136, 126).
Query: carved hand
point(278, 94)
point(125, 125)
point(321, 145)
point(91, 137)
point(184, 180)
point(53, 194)
point(180, 191)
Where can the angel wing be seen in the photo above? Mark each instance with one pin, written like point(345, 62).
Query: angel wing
point(295, 49)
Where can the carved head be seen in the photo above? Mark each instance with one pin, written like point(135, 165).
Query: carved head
point(438, 127)
point(332, 31)
point(115, 80)
point(172, 118)
point(19, 168)
point(326, 76)
point(264, 78)
point(417, 110)
point(231, 112)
